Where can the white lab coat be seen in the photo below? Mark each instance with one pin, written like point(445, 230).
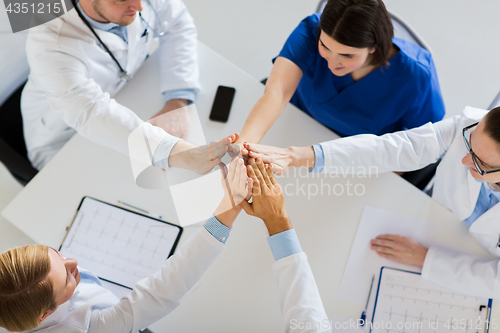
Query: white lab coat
point(94, 309)
point(454, 187)
point(301, 304)
point(73, 79)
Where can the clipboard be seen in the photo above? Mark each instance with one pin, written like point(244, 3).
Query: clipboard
point(404, 299)
point(119, 245)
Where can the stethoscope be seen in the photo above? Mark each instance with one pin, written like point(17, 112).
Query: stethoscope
point(124, 74)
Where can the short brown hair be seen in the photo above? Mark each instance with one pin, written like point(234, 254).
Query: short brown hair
point(492, 124)
point(26, 291)
point(360, 24)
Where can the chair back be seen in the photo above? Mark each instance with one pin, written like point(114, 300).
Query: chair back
point(495, 103)
point(13, 152)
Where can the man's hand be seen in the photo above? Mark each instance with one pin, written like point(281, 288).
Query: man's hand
point(201, 159)
point(173, 118)
point(268, 202)
point(401, 249)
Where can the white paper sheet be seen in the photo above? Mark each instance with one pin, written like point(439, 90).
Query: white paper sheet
point(363, 262)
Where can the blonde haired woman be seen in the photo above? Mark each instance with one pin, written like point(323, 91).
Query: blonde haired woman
point(42, 291)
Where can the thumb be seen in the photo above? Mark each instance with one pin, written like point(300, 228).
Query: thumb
point(247, 207)
point(276, 169)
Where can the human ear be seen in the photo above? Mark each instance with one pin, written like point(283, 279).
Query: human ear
point(45, 315)
point(373, 49)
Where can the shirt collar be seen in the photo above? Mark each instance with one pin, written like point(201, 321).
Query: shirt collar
point(95, 24)
point(488, 189)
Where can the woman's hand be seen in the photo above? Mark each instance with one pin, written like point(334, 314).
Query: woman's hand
point(279, 159)
point(237, 188)
point(401, 249)
point(202, 159)
point(282, 159)
point(268, 202)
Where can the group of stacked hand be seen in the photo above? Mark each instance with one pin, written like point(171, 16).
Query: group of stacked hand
point(250, 176)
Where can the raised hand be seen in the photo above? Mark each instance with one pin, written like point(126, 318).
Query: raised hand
point(204, 158)
point(268, 202)
point(281, 159)
point(237, 186)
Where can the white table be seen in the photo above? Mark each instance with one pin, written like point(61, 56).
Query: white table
point(238, 293)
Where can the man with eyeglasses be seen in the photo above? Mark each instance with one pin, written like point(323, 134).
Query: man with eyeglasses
point(467, 182)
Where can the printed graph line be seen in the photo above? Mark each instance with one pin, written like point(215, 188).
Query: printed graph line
point(430, 291)
point(427, 302)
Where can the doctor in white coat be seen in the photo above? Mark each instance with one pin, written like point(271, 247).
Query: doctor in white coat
point(40, 291)
point(467, 182)
point(81, 59)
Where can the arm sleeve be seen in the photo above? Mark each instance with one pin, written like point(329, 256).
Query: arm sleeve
point(399, 151)
point(83, 105)
point(159, 294)
point(284, 244)
point(178, 47)
point(187, 94)
point(465, 272)
point(299, 296)
point(300, 47)
point(429, 105)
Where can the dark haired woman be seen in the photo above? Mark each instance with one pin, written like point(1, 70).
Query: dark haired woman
point(345, 69)
point(467, 182)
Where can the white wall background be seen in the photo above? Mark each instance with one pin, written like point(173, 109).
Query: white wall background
point(463, 34)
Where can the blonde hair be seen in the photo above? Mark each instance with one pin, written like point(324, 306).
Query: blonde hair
point(26, 291)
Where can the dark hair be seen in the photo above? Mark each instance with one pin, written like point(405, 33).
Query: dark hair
point(492, 124)
point(360, 24)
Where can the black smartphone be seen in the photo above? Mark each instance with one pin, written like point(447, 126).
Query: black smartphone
point(222, 104)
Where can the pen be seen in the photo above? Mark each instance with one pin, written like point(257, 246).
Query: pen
point(156, 216)
point(363, 314)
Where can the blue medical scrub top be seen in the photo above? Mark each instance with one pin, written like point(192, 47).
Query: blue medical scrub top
point(404, 95)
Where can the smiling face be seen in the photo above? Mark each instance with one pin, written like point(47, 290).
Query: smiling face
point(121, 12)
point(487, 151)
point(65, 277)
point(343, 59)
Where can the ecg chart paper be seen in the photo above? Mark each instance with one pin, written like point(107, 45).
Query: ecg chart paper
point(407, 303)
point(118, 245)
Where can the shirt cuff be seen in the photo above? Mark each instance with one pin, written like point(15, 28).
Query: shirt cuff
point(188, 94)
point(319, 156)
point(162, 152)
point(217, 229)
point(284, 244)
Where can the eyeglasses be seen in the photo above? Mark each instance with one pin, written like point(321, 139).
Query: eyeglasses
point(475, 159)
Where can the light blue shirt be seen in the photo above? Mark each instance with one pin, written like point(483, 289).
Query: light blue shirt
point(319, 157)
point(282, 245)
point(217, 229)
point(89, 278)
point(121, 31)
point(487, 199)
